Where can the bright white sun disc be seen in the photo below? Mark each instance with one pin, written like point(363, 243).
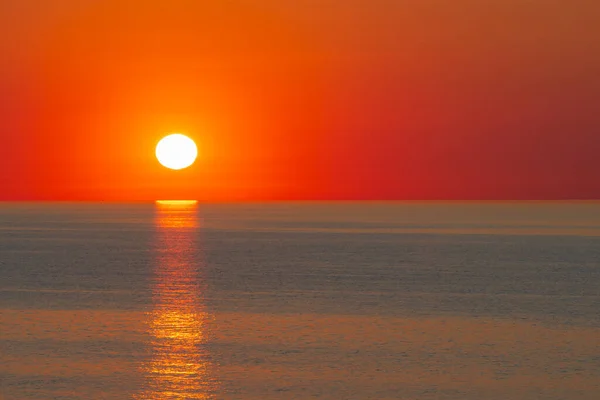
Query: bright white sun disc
point(176, 151)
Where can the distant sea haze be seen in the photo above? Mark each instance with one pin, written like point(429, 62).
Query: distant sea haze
point(351, 300)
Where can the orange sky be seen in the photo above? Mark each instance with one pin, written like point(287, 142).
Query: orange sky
point(311, 99)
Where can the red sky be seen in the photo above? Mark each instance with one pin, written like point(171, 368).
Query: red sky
point(311, 99)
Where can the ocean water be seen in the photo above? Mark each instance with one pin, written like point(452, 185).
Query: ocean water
point(177, 300)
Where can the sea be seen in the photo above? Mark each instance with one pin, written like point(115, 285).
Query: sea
point(306, 300)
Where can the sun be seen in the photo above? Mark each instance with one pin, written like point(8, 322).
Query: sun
point(176, 151)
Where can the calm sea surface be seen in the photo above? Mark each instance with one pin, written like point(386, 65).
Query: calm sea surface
point(300, 301)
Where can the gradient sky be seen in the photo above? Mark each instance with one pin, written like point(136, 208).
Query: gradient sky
point(303, 99)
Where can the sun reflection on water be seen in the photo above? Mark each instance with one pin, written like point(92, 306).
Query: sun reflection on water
point(179, 367)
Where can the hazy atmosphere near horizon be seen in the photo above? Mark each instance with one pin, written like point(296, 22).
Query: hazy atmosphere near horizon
point(311, 199)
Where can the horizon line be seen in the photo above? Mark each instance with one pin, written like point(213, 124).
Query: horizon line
point(224, 201)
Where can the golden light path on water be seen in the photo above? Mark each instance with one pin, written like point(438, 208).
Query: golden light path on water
point(179, 366)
